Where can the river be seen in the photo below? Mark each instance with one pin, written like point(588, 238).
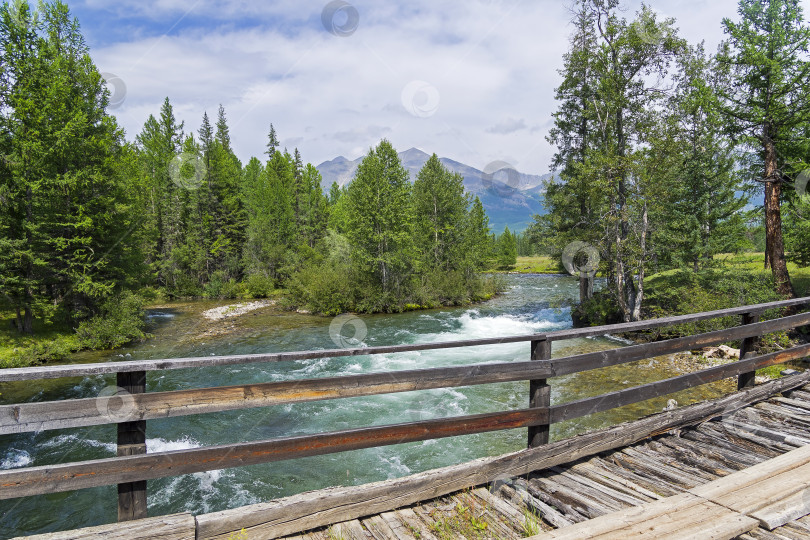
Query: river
point(528, 306)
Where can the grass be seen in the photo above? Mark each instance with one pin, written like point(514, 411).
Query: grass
point(50, 342)
point(755, 263)
point(463, 521)
point(538, 264)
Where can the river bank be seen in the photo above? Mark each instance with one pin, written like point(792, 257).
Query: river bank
point(531, 304)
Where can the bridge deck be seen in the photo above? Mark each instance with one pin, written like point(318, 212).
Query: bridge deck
point(681, 470)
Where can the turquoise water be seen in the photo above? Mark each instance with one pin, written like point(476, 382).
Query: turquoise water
point(179, 331)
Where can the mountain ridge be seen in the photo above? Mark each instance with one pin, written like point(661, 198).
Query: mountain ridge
point(509, 197)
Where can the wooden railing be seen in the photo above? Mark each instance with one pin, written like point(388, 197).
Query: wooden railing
point(132, 407)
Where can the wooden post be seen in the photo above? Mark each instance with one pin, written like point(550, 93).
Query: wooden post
point(132, 441)
point(539, 393)
point(747, 380)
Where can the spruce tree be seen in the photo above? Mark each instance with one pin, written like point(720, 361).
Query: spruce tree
point(766, 102)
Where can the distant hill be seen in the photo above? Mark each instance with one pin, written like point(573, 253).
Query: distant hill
point(510, 198)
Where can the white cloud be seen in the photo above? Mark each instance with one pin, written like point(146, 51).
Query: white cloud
point(493, 63)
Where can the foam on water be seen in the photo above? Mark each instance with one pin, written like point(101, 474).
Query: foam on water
point(65, 440)
point(16, 458)
point(162, 445)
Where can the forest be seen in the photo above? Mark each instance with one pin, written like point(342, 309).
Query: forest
point(667, 156)
point(92, 223)
point(670, 156)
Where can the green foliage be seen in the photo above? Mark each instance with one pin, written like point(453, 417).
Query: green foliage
point(379, 225)
point(681, 291)
point(797, 232)
point(599, 310)
point(259, 285)
point(506, 250)
point(65, 211)
point(121, 320)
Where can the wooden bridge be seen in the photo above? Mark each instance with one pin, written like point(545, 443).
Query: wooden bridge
point(732, 467)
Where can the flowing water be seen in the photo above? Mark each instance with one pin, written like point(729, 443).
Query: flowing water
point(180, 330)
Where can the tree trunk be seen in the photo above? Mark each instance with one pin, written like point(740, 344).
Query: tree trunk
point(28, 321)
point(645, 223)
point(773, 222)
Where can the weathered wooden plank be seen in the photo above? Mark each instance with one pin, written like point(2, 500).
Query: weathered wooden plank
point(785, 509)
point(573, 333)
point(99, 472)
point(747, 347)
point(546, 512)
point(131, 442)
point(582, 477)
point(762, 431)
point(467, 506)
point(599, 473)
point(619, 398)
point(415, 524)
point(508, 513)
point(754, 475)
point(539, 393)
point(576, 496)
point(170, 527)
point(309, 510)
point(754, 497)
point(349, 530)
point(378, 528)
point(32, 417)
point(660, 455)
point(569, 512)
point(612, 357)
point(74, 370)
point(397, 526)
point(680, 516)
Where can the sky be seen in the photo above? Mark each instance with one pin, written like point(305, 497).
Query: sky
point(472, 81)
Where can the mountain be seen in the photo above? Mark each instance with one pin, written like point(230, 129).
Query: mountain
point(510, 198)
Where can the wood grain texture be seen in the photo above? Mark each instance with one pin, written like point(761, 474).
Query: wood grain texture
point(170, 527)
point(100, 472)
point(75, 370)
point(619, 398)
point(319, 508)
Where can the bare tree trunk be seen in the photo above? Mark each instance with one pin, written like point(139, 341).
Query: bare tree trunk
point(640, 294)
point(773, 222)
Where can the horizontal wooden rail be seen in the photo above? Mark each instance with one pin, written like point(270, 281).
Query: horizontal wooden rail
point(131, 409)
point(620, 398)
point(612, 357)
point(101, 472)
point(38, 416)
point(76, 370)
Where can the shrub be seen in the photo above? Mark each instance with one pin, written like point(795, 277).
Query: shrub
point(259, 285)
point(121, 320)
point(323, 289)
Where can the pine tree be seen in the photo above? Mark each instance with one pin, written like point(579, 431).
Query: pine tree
point(766, 101)
point(379, 223)
point(272, 143)
point(440, 206)
point(159, 142)
point(507, 250)
point(65, 224)
point(702, 210)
